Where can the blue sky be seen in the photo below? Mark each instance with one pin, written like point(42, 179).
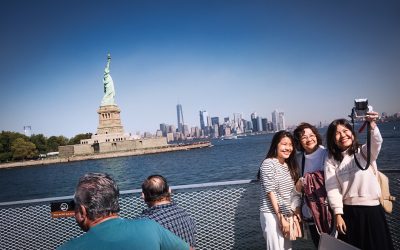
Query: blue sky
point(309, 59)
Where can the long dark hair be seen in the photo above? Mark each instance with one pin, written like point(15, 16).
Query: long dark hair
point(299, 132)
point(273, 153)
point(333, 149)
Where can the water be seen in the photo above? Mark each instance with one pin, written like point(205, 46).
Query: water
point(226, 160)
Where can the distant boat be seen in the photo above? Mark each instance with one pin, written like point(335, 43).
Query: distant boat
point(229, 137)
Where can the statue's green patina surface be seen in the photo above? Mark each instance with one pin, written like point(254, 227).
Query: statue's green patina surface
point(109, 91)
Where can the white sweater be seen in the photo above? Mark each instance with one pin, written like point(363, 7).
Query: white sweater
point(312, 162)
point(348, 184)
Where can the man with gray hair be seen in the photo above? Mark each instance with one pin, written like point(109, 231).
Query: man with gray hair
point(96, 212)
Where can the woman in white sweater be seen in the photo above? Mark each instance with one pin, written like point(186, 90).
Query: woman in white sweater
point(354, 193)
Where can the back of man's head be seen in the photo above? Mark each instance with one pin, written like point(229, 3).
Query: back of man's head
point(155, 188)
point(98, 193)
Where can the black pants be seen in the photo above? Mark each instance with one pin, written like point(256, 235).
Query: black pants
point(367, 227)
point(314, 234)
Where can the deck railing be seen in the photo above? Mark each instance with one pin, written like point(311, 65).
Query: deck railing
point(226, 214)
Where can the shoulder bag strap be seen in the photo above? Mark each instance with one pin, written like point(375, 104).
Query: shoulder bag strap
point(372, 168)
point(368, 157)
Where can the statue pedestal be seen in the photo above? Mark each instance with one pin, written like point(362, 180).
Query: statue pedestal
point(109, 120)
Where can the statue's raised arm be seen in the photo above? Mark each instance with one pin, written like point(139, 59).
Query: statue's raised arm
point(109, 91)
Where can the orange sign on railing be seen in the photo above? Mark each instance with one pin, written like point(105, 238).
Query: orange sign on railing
point(62, 209)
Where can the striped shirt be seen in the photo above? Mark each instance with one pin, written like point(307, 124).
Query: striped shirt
point(275, 177)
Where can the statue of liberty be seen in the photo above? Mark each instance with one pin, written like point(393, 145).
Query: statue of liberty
point(109, 91)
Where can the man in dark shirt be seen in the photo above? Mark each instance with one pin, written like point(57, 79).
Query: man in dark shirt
point(157, 195)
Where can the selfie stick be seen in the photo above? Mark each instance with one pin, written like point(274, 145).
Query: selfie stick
point(368, 157)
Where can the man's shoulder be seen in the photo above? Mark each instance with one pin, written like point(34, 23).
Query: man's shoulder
point(130, 233)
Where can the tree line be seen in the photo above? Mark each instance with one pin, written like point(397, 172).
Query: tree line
point(18, 147)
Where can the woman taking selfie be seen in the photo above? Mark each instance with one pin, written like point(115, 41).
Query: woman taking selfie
point(354, 193)
point(277, 174)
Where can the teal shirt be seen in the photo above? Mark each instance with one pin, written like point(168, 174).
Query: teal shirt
point(118, 233)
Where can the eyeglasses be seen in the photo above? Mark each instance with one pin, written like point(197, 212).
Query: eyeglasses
point(306, 138)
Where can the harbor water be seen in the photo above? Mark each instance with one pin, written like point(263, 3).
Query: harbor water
point(227, 160)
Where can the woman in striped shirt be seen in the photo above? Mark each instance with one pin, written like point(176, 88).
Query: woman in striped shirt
point(277, 175)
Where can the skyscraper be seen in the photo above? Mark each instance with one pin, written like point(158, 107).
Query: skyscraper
point(214, 120)
point(281, 121)
point(264, 122)
point(238, 123)
point(203, 119)
point(186, 131)
point(275, 120)
point(179, 114)
point(163, 128)
point(278, 120)
point(215, 131)
point(254, 122)
point(249, 126)
point(259, 123)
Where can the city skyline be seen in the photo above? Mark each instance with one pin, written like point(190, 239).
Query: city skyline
point(213, 127)
point(210, 126)
point(308, 59)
